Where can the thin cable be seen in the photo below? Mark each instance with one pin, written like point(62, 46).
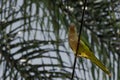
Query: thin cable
point(80, 29)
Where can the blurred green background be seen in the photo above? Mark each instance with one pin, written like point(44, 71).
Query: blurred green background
point(34, 33)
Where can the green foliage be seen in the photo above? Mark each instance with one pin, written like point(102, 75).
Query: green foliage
point(33, 39)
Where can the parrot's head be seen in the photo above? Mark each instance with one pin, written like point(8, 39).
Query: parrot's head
point(72, 28)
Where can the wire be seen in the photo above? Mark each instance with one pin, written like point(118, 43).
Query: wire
point(80, 29)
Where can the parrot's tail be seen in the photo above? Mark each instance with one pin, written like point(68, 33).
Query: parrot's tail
point(99, 64)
